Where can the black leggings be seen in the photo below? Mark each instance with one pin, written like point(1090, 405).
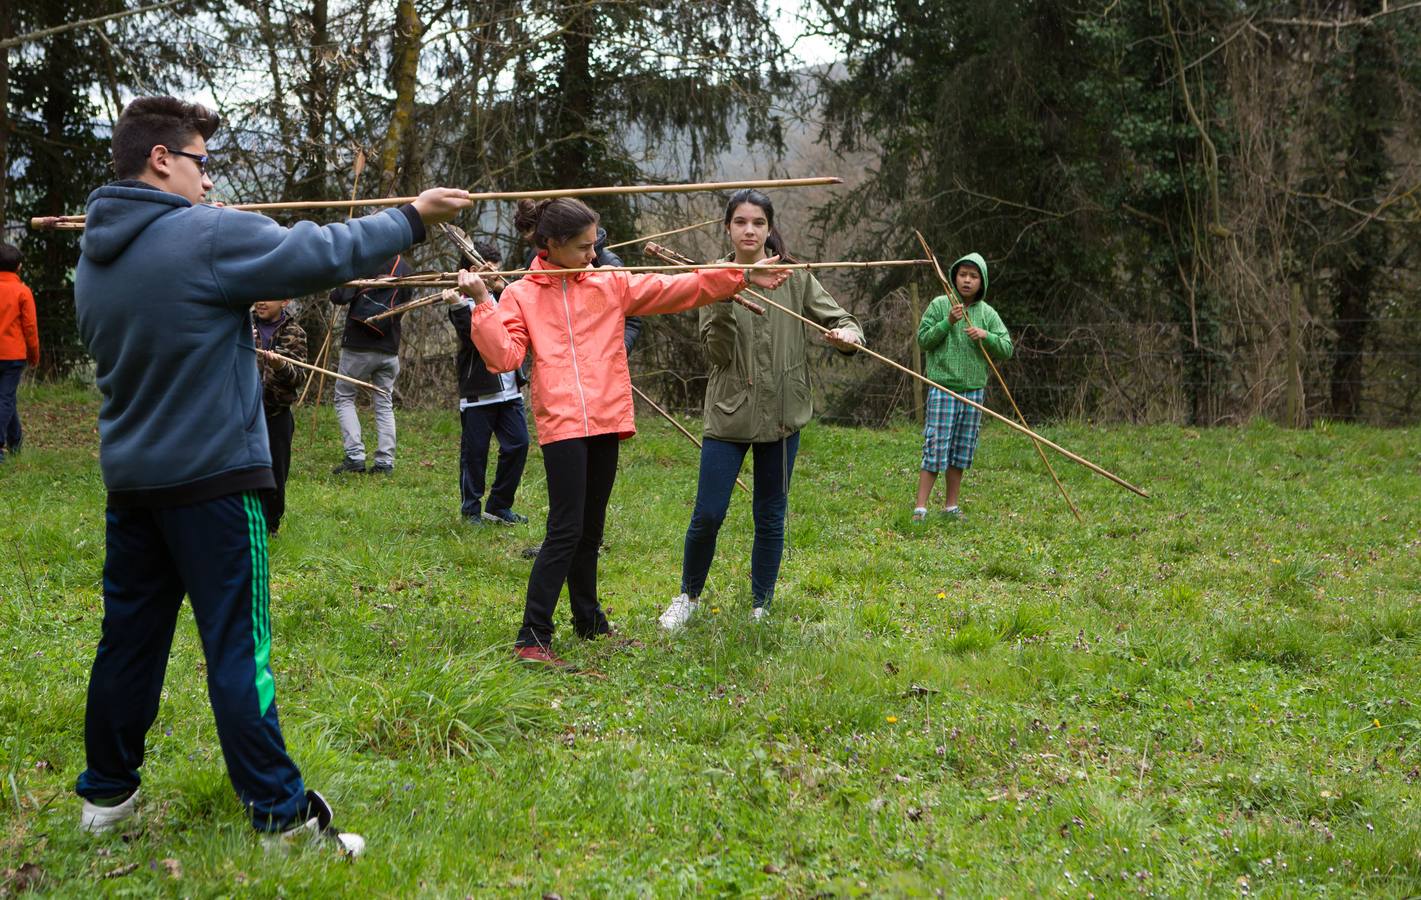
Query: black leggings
point(580, 476)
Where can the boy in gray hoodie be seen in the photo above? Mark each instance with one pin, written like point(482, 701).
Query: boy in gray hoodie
point(162, 291)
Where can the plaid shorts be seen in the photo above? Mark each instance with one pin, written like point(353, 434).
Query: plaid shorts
point(951, 429)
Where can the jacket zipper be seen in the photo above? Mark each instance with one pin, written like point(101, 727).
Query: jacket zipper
point(576, 373)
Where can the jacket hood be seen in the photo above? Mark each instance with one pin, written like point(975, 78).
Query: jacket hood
point(117, 213)
point(981, 264)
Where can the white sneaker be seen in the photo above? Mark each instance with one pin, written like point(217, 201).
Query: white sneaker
point(98, 819)
point(759, 614)
point(678, 613)
point(318, 827)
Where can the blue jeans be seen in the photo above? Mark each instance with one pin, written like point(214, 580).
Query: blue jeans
point(10, 435)
point(720, 463)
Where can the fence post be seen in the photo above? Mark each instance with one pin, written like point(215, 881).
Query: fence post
point(917, 351)
point(1294, 373)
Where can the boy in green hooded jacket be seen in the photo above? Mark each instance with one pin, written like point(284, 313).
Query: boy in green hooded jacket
point(955, 336)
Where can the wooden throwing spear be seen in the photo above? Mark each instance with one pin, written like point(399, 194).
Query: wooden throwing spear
point(77, 221)
point(278, 357)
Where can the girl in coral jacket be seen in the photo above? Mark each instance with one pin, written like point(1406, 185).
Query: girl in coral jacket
point(572, 324)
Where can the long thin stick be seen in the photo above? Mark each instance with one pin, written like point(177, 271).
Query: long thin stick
point(41, 222)
point(671, 256)
point(441, 297)
point(450, 279)
point(336, 375)
point(668, 417)
point(662, 234)
point(952, 296)
point(993, 413)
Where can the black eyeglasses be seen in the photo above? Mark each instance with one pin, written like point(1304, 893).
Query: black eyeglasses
point(199, 158)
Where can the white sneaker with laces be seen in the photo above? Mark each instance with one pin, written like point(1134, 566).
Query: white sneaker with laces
point(99, 819)
point(678, 613)
point(318, 827)
point(759, 614)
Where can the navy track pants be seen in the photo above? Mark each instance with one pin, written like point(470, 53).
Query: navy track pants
point(215, 552)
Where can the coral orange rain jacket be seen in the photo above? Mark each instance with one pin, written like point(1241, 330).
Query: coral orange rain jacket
point(573, 324)
point(19, 333)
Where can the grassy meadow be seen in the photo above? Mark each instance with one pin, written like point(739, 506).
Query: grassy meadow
point(1210, 692)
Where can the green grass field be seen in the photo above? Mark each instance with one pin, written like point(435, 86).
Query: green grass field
point(1209, 692)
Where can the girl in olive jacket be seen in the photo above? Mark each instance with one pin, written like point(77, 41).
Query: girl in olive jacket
point(757, 398)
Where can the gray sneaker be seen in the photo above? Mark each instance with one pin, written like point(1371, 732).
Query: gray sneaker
point(504, 517)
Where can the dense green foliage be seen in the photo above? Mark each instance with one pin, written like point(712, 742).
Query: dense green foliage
point(1180, 166)
point(1204, 692)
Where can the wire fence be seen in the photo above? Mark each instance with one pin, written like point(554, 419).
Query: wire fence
point(1106, 371)
point(1144, 372)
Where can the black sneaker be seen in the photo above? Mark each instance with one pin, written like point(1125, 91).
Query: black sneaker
point(349, 465)
point(317, 827)
point(504, 517)
point(382, 469)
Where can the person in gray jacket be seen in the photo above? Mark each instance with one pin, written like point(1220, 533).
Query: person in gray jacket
point(163, 290)
point(370, 351)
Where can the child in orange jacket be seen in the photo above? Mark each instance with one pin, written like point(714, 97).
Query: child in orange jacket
point(572, 324)
point(19, 344)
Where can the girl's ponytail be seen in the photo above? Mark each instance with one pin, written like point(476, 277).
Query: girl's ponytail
point(560, 219)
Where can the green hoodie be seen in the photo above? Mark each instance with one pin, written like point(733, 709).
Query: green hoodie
point(953, 359)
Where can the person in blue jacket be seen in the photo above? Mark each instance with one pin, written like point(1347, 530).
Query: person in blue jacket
point(162, 291)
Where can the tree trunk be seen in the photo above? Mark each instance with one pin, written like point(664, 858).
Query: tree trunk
point(315, 162)
point(570, 159)
point(7, 30)
point(409, 32)
point(1367, 110)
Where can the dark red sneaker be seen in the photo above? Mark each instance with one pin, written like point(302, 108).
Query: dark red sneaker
point(539, 655)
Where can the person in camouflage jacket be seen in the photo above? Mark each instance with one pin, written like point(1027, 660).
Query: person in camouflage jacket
point(274, 329)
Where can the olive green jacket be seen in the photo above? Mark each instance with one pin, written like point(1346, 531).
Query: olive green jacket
point(759, 385)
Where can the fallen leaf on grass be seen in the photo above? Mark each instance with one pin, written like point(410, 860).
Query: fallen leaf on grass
point(173, 867)
point(121, 871)
point(771, 869)
point(26, 878)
